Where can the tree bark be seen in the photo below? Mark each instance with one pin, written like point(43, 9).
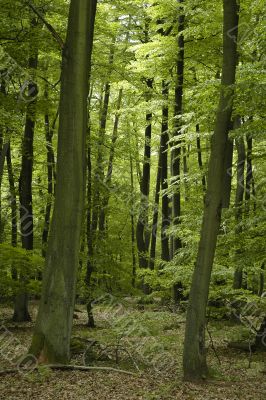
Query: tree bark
point(239, 198)
point(13, 205)
point(142, 223)
point(108, 178)
point(155, 214)
point(200, 162)
point(176, 152)
point(50, 160)
point(164, 174)
point(194, 356)
point(51, 339)
point(133, 240)
point(21, 312)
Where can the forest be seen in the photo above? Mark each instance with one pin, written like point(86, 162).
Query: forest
point(132, 199)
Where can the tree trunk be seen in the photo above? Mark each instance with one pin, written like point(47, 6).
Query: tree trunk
point(50, 159)
point(250, 186)
point(200, 163)
point(142, 223)
point(194, 357)
point(21, 312)
point(13, 205)
point(108, 177)
point(99, 170)
point(176, 152)
point(133, 241)
point(164, 175)
point(51, 339)
point(155, 214)
point(240, 187)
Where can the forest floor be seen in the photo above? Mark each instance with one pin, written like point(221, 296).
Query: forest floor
point(147, 341)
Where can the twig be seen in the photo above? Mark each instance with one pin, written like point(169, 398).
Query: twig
point(212, 345)
point(68, 368)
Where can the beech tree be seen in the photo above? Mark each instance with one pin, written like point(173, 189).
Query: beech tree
point(194, 358)
point(51, 339)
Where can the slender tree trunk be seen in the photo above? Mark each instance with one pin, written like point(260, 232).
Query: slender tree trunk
point(132, 219)
point(99, 170)
point(13, 205)
point(250, 185)
point(51, 339)
point(21, 312)
point(2, 162)
point(108, 177)
point(240, 188)
point(194, 356)
point(155, 214)
point(164, 174)
point(176, 152)
point(89, 269)
point(142, 223)
point(50, 159)
point(200, 162)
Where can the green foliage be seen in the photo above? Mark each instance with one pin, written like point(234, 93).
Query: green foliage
point(19, 271)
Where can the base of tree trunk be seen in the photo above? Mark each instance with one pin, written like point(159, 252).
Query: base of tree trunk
point(91, 322)
point(21, 313)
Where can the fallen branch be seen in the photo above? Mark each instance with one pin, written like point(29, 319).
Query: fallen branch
point(62, 367)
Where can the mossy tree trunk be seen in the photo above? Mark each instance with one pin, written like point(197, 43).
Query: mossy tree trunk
point(194, 357)
point(51, 339)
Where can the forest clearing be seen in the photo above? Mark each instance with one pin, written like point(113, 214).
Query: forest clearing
point(132, 199)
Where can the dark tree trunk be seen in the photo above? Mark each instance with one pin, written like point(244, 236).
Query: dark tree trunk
point(89, 233)
point(240, 188)
point(108, 178)
point(250, 185)
point(155, 214)
point(194, 356)
point(2, 162)
point(200, 162)
point(89, 267)
point(133, 241)
point(50, 160)
point(176, 152)
point(13, 205)
point(25, 181)
point(164, 174)
point(142, 229)
point(99, 170)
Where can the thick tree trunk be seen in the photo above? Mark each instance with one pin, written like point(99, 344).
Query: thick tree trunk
point(194, 357)
point(164, 174)
point(51, 339)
